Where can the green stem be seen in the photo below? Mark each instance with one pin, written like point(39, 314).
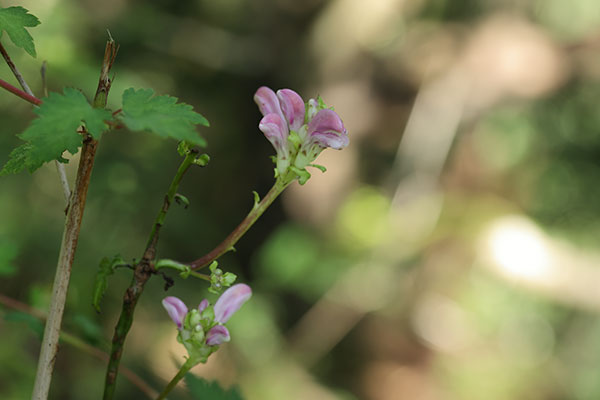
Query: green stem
point(258, 209)
point(143, 271)
point(185, 368)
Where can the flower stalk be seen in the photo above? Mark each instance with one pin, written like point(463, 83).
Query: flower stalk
point(142, 273)
point(185, 368)
point(229, 242)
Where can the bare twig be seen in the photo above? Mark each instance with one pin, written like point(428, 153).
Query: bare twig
point(78, 343)
point(69, 241)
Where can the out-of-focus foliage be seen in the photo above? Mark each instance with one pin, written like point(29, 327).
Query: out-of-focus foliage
point(449, 252)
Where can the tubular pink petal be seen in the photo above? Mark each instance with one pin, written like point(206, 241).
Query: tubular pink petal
point(230, 301)
point(217, 335)
point(267, 101)
point(176, 309)
point(276, 130)
point(293, 108)
point(327, 129)
point(203, 304)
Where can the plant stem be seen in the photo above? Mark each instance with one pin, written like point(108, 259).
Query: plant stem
point(78, 343)
point(32, 99)
point(70, 237)
point(230, 241)
point(185, 368)
point(143, 271)
point(15, 71)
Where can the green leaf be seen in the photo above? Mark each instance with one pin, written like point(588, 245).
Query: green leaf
point(202, 389)
point(13, 20)
point(161, 115)
point(55, 130)
point(105, 269)
point(18, 160)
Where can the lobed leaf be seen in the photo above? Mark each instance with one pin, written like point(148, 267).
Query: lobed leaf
point(13, 20)
point(161, 115)
point(55, 130)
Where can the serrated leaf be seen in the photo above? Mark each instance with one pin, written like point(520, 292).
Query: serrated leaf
point(55, 130)
point(105, 269)
point(18, 161)
point(13, 20)
point(202, 389)
point(161, 115)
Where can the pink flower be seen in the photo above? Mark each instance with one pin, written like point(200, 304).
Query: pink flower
point(230, 301)
point(285, 114)
point(176, 309)
point(217, 335)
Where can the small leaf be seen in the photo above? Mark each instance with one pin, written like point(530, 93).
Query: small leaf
point(303, 174)
point(202, 160)
point(182, 200)
point(202, 389)
point(319, 167)
point(55, 130)
point(161, 115)
point(105, 269)
point(13, 20)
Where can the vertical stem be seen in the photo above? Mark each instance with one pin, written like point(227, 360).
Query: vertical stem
point(185, 368)
point(258, 209)
point(68, 246)
point(143, 271)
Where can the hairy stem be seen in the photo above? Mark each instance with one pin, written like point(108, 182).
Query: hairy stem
point(143, 271)
point(230, 241)
point(70, 237)
point(80, 344)
point(185, 368)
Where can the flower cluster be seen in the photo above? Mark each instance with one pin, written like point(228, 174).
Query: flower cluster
point(298, 131)
point(202, 330)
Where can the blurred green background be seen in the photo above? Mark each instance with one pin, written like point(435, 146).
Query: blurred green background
point(450, 252)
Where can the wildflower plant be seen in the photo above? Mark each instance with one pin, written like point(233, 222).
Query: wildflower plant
point(67, 122)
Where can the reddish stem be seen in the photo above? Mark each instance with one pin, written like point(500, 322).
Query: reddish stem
point(16, 91)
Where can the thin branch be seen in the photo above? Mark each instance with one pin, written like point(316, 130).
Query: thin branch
point(73, 219)
point(16, 91)
point(15, 71)
point(78, 343)
point(230, 241)
point(143, 271)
